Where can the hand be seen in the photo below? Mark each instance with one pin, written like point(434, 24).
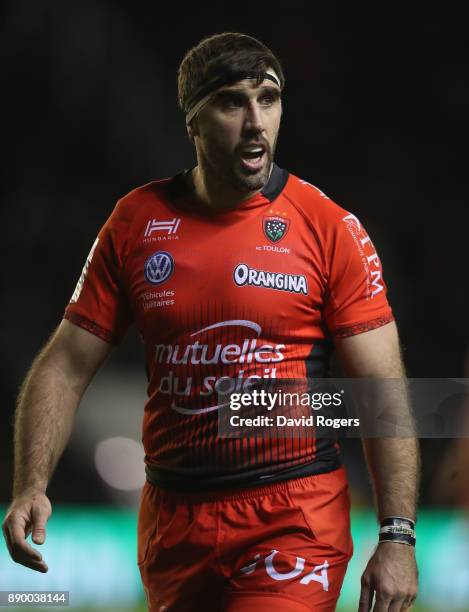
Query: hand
point(29, 512)
point(392, 575)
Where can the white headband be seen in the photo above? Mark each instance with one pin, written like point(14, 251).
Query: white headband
point(203, 101)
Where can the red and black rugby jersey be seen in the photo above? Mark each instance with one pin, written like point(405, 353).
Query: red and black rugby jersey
point(222, 298)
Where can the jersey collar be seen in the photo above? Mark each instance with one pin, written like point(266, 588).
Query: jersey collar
point(180, 191)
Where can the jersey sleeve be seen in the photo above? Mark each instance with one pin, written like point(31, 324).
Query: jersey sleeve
point(356, 299)
point(99, 303)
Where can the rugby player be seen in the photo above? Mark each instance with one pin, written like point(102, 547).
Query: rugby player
point(233, 271)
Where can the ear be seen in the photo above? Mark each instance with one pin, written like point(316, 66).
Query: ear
point(192, 130)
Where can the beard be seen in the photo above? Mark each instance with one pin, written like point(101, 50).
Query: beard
point(228, 168)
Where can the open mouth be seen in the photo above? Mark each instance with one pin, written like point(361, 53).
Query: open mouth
point(253, 157)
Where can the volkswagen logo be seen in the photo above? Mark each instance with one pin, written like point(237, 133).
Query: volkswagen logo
point(158, 268)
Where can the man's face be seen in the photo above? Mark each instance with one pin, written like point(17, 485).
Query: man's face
point(236, 133)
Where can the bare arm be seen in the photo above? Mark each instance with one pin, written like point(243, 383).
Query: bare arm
point(393, 463)
point(44, 418)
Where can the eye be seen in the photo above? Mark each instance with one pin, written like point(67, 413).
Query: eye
point(231, 101)
point(269, 98)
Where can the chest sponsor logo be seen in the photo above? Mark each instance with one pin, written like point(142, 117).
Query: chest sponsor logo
point(293, 283)
point(158, 299)
point(206, 348)
point(368, 254)
point(165, 227)
point(275, 227)
point(158, 268)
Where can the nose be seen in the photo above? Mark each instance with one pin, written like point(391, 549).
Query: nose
point(253, 120)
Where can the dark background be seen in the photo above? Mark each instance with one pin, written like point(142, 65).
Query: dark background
point(375, 110)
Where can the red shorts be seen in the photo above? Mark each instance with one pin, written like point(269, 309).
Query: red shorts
point(282, 548)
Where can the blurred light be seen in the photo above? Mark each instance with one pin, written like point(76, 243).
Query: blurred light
point(119, 462)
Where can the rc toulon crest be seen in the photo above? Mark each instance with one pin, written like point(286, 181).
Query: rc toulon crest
point(275, 228)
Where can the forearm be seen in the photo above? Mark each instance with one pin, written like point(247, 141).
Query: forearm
point(45, 412)
point(394, 465)
point(43, 422)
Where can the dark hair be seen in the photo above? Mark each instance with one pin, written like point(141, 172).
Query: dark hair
point(228, 56)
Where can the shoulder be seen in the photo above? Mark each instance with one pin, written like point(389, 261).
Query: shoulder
point(132, 212)
point(326, 219)
point(138, 200)
point(337, 231)
point(313, 203)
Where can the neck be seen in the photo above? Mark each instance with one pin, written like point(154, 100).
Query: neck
point(215, 193)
